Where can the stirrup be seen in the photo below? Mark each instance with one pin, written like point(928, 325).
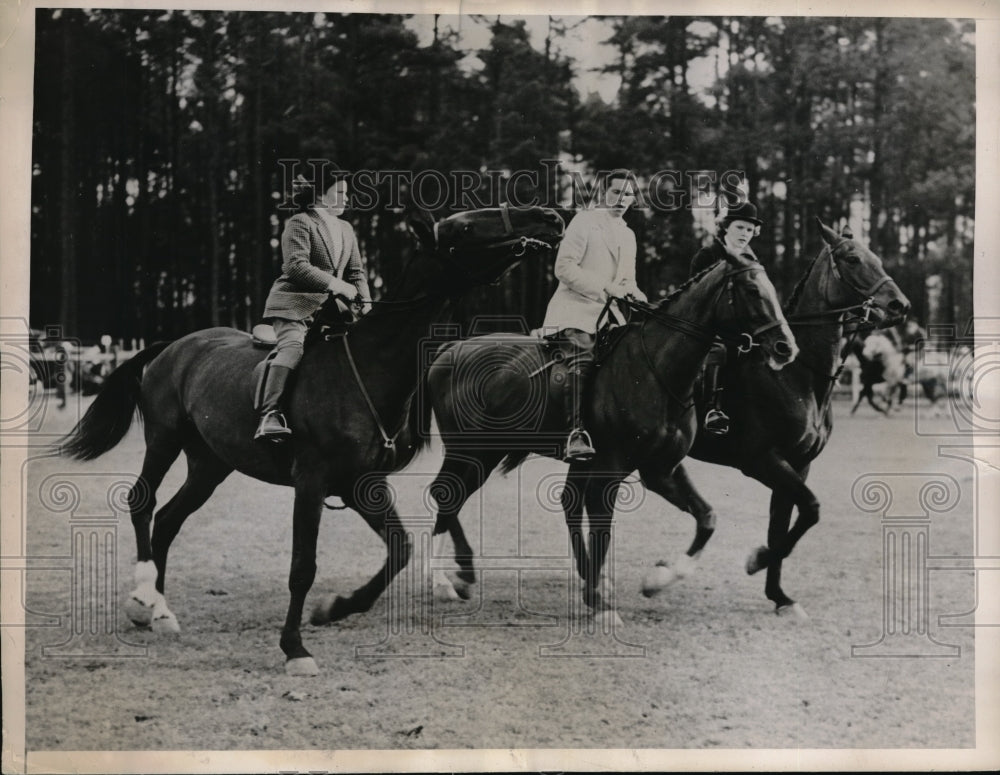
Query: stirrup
point(579, 447)
point(272, 427)
point(717, 422)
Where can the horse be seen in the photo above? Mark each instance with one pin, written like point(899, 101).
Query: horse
point(490, 398)
point(195, 398)
point(880, 363)
point(781, 422)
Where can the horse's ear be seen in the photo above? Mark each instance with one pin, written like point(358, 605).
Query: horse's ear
point(829, 235)
point(422, 224)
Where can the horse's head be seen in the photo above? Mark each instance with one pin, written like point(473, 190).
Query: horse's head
point(857, 278)
point(754, 310)
point(476, 247)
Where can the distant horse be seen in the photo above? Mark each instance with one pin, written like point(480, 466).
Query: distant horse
point(781, 421)
point(352, 416)
point(880, 364)
point(490, 398)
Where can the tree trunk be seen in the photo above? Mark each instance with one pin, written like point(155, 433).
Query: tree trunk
point(67, 186)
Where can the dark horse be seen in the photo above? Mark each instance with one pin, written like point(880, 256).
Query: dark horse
point(195, 398)
point(490, 397)
point(781, 421)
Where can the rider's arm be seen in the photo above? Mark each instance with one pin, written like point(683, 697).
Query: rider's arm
point(355, 272)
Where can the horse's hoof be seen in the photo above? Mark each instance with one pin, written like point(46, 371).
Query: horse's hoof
point(658, 579)
point(321, 611)
point(463, 590)
point(794, 611)
point(139, 612)
point(302, 666)
point(684, 566)
point(757, 560)
point(445, 591)
point(165, 623)
point(609, 619)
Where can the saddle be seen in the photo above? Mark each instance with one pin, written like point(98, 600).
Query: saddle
point(332, 319)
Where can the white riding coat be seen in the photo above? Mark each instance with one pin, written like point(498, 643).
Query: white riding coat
point(597, 250)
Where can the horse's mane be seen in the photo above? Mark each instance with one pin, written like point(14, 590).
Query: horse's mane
point(685, 285)
point(801, 284)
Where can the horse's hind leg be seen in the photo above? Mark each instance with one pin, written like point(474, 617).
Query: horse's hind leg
point(788, 489)
point(163, 445)
point(460, 476)
point(862, 393)
point(205, 473)
point(678, 489)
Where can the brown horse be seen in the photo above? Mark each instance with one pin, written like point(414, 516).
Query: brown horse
point(782, 421)
point(195, 398)
point(490, 397)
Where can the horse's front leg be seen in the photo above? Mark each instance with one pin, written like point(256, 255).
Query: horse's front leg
point(788, 490)
point(373, 500)
point(677, 488)
point(572, 504)
point(599, 499)
point(310, 488)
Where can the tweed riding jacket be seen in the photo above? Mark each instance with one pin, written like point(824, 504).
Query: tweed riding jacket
point(312, 254)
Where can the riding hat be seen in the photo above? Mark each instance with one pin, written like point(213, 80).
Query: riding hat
point(743, 212)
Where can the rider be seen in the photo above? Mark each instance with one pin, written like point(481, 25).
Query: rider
point(736, 228)
point(320, 256)
point(596, 261)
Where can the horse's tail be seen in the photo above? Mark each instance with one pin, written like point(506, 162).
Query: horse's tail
point(512, 461)
point(109, 417)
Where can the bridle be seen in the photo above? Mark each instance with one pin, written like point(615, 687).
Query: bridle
point(744, 342)
point(866, 296)
point(520, 244)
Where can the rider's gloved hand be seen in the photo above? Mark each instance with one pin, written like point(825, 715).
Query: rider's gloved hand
point(617, 290)
point(341, 288)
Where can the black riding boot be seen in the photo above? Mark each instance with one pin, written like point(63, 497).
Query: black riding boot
point(579, 448)
point(716, 421)
point(272, 426)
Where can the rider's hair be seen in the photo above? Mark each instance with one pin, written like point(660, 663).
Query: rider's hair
point(722, 225)
point(305, 193)
point(605, 178)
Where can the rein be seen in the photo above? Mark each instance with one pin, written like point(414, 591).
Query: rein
point(744, 342)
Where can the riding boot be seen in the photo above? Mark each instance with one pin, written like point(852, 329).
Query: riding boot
point(716, 421)
point(579, 448)
point(272, 426)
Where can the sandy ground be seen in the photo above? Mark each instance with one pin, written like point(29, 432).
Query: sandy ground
point(707, 664)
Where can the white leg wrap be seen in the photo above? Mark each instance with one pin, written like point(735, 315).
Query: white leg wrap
point(145, 573)
point(163, 618)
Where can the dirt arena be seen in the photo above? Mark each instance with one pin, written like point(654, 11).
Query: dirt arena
point(705, 665)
